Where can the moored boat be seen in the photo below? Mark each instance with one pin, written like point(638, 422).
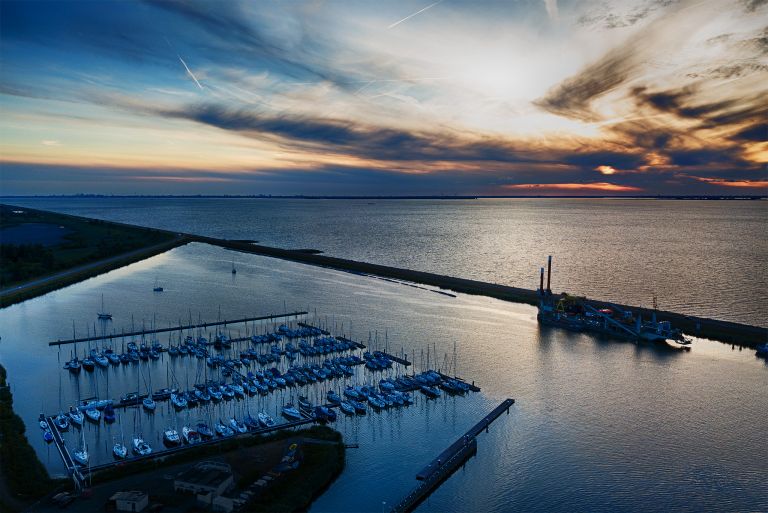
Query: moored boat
point(266, 420)
point(290, 412)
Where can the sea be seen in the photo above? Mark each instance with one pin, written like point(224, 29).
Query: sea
point(697, 257)
point(598, 424)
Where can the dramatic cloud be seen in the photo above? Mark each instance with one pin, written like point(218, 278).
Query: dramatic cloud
point(411, 97)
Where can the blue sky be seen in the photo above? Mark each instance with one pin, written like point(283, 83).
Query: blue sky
point(411, 97)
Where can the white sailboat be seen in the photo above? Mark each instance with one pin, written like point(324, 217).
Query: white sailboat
point(81, 456)
point(119, 450)
point(103, 315)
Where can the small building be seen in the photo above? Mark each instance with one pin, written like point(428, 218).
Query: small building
point(130, 501)
point(207, 477)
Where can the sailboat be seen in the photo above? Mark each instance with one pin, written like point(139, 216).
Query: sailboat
point(234, 271)
point(140, 446)
point(119, 450)
point(157, 288)
point(148, 402)
point(81, 456)
point(103, 315)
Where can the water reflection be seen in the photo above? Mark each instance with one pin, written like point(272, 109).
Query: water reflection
point(599, 425)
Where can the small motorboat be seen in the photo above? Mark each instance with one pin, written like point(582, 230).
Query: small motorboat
point(47, 436)
point(141, 447)
point(266, 420)
point(291, 413)
point(171, 437)
point(347, 408)
point(43, 423)
point(109, 414)
point(76, 416)
point(333, 397)
point(88, 364)
point(304, 403)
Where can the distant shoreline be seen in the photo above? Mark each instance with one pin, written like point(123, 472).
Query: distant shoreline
point(386, 197)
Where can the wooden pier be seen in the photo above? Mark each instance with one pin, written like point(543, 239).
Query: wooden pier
point(177, 328)
point(449, 460)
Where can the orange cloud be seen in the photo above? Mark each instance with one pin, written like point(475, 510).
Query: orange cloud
point(734, 183)
point(594, 186)
point(606, 170)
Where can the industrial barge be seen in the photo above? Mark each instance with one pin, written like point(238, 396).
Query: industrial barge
point(577, 314)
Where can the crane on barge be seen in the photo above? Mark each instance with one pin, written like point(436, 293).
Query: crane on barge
point(578, 314)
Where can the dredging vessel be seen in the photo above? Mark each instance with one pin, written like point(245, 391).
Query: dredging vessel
point(577, 314)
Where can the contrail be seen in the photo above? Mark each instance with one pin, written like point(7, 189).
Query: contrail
point(190, 72)
point(395, 24)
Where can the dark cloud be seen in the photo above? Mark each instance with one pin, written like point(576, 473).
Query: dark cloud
point(753, 5)
point(573, 97)
point(682, 102)
point(704, 157)
point(351, 138)
point(757, 133)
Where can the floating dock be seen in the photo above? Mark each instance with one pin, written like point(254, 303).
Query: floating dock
point(177, 328)
point(439, 469)
point(478, 428)
point(72, 469)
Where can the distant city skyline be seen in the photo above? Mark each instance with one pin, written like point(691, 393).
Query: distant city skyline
point(544, 97)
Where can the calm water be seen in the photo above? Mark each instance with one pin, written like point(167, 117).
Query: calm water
point(703, 258)
point(598, 425)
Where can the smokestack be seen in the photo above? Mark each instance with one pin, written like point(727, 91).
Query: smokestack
point(549, 272)
point(541, 282)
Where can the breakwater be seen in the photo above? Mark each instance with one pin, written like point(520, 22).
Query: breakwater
point(724, 331)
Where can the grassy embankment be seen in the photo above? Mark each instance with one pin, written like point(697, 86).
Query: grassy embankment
point(88, 248)
point(25, 478)
point(296, 490)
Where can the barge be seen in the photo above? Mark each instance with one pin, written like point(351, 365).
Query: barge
point(578, 314)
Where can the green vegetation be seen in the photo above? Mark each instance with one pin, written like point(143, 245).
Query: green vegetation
point(23, 474)
point(84, 241)
point(295, 491)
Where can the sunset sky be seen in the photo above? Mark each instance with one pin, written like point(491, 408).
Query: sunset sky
point(372, 98)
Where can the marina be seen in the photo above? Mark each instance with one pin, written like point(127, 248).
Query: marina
point(558, 378)
point(302, 363)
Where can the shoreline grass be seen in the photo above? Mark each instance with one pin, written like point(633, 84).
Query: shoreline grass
point(24, 476)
